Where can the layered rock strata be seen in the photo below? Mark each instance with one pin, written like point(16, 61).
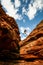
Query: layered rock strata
point(9, 36)
point(32, 46)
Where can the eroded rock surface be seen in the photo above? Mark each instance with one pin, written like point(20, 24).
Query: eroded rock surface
point(9, 36)
point(32, 46)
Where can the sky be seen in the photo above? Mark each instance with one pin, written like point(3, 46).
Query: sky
point(27, 13)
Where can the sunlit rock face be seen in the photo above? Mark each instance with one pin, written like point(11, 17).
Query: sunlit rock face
point(32, 46)
point(9, 36)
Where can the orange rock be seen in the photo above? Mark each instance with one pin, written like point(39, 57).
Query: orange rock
point(9, 34)
point(32, 46)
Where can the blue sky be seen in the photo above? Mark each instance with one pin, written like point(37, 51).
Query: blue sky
point(27, 13)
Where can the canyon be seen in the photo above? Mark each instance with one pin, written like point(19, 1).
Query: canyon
point(13, 48)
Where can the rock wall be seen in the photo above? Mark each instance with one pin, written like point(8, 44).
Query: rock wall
point(32, 46)
point(10, 43)
point(9, 36)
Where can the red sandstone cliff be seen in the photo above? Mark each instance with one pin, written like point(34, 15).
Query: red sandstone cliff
point(32, 46)
point(9, 36)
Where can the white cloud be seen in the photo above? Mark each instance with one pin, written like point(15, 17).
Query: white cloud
point(34, 6)
point(24, 11)
point(10, 9)
point(22, 29)
point(24, 34)
point(38, 4)
point(32, 11)
point(17, 3)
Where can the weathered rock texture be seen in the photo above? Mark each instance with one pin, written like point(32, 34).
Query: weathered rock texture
point(9, 36)
point(32, 46)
